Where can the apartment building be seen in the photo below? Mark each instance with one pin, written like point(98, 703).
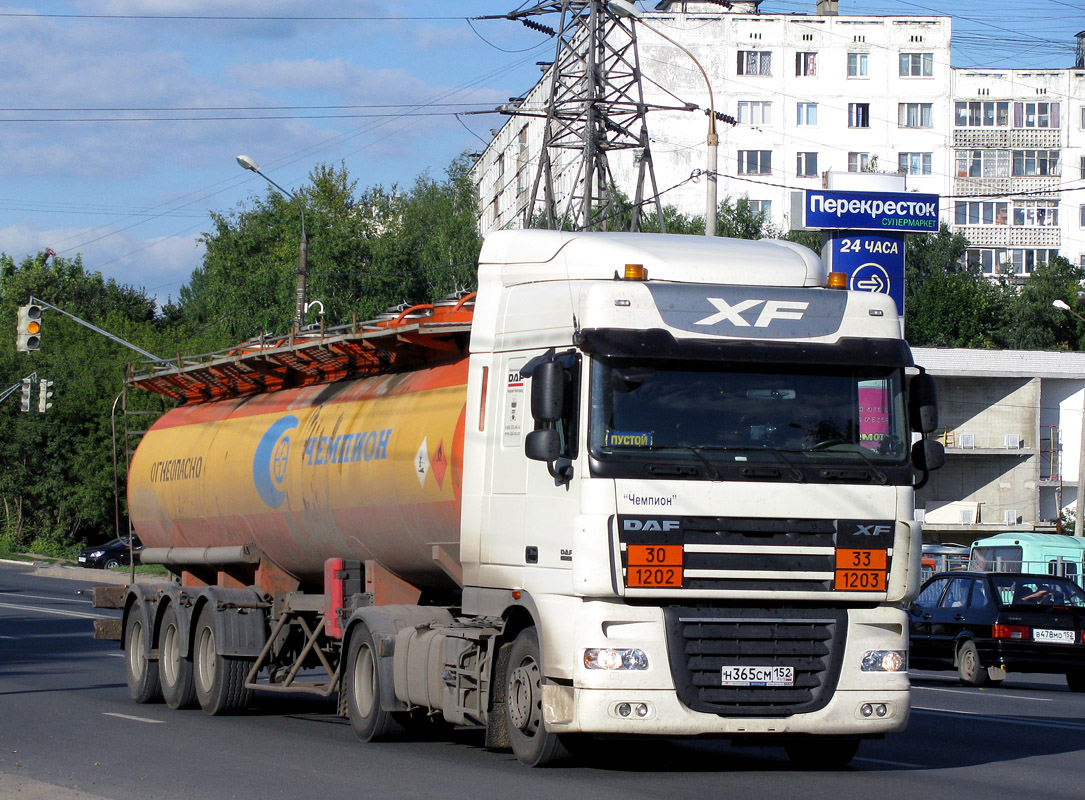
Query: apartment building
point(810, 93)
point(1012, 428)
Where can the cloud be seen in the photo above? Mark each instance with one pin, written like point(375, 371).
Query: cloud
point(159, 264)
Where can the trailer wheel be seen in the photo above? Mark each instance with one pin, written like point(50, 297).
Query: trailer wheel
point(822, 752)
point(178, 685)
point(219, 680)
point(532, 744)
point(969, 668)
point(361, 686)
point(140, 673)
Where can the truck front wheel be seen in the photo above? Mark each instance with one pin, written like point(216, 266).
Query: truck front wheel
point(219, 679)
point(361, 686)
point(532, 744)
point(140, 672)
point(178, 685)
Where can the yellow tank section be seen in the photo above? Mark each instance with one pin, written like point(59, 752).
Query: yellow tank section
point(360, 469)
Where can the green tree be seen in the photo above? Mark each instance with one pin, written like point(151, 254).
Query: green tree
point(56, 468)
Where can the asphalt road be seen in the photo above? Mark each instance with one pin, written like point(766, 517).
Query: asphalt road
point(69, 732)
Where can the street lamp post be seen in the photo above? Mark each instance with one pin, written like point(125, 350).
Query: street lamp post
point(625, 8)
point(1062, 305)
point(303, 247)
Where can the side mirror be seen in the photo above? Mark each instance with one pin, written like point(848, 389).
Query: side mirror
point(543, 445)
point(923, 403)
point(547, 391)
point(928, 455)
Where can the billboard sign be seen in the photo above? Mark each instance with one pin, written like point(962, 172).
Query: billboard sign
point(870, 211)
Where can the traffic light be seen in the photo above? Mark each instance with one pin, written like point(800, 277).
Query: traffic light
point(45, 391)
point(26, 394)
point(29, 338)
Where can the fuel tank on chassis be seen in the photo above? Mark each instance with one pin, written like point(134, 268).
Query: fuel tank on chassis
point(359, 469)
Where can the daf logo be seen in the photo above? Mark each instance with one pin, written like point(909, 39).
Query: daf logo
point(650, 525)
point(770, 310)
point(871, 530)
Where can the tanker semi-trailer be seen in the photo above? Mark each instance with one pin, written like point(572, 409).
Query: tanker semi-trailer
point(637, 484)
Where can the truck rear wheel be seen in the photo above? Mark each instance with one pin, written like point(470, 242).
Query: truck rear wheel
point(219, 680)
point(140, 673)
point(361, 686)
point(178, 685)
point(532, 744)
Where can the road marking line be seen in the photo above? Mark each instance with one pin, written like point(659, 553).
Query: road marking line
point(986, 693)
point(82, 600)
point(891, 763)
point(134, 719)
point(938, 712)
point(56, 611)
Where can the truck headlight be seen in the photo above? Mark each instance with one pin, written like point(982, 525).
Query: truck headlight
point(884, 661)
point(611, 658)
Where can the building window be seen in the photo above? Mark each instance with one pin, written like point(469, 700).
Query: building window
point(807, 165)
point(983, 163)
point(1026, 261)
point(973, 212)
point(1081, 223)
point(754, 62)
point(521, 162)
point(1036, 213)
point(858, 162)
point(982, 114)
point(914, 115)
point(1035, 162)
point(762, 208)
point(754, 162)
point(857, 65)
point(858, 115)
point(916, 65)
point(807, 114)
point(500, 166)
point(1036, 115)
point(806, 64)
point(987, 259)
point(1083, 168)
point(755, 112)
point(914, 163)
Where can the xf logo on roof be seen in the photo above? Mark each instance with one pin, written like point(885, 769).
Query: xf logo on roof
point(770, 310)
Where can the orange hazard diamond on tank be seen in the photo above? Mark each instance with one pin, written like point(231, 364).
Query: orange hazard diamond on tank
point(439, 464)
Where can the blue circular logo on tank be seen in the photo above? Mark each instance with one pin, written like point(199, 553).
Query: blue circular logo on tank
point(271, 459)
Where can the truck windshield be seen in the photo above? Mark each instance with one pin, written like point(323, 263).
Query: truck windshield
point(728, 416)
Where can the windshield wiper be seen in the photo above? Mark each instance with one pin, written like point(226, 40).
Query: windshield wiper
point(710, 469)
point(795, 473)
point(879, 476)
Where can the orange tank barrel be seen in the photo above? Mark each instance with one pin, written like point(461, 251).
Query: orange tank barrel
point(370, 468)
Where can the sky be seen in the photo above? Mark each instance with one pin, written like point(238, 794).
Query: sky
point(120, 120)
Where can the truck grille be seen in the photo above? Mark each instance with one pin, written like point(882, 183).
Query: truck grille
point(702, 641)
point(756, 554)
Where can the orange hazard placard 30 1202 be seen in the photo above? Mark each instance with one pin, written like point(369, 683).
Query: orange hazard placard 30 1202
point(861, 570)
point(651, 566)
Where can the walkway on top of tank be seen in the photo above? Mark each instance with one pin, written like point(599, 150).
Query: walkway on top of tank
point(401, 337)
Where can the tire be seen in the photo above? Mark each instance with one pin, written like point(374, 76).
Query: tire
point(532, 744)
point(1076, 681)
point(361, 687)
point(140, 673)
point(175, 671)
point(112, 563)
point(969, 668)
point(219, 680)
point(822, 753)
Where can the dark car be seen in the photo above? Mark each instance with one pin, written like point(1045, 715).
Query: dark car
point(111, 554)
point(988, 624)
